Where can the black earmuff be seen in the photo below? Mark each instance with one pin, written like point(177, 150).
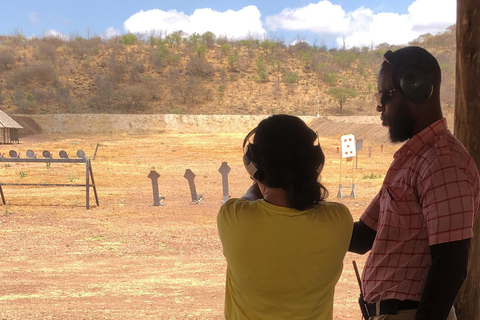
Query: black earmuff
point(250, 155)
point(319, 157)
point(411, 79)
point(249, 160)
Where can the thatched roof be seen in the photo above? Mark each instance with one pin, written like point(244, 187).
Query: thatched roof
point(7, 122)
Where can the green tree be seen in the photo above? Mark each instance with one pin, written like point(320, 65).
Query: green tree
point(262, 75)
point(341, 95)
point(208, 39)
point(232, 62)
point(330, 78)
point(128, 39)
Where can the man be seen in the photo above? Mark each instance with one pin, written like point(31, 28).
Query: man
point(419, 225)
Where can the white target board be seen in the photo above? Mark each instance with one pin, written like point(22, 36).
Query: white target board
point(348, 146)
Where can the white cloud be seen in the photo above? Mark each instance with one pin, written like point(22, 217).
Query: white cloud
point(54, 34)
point(426, 20)
point(322, 17)
point(234, 24)
point(399, 29)
point(110, 33)
point(32, 17)
point(365, 27)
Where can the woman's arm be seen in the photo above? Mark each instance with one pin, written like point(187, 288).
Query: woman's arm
point(253, 193)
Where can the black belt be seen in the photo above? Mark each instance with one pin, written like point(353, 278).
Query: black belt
point(391, 306)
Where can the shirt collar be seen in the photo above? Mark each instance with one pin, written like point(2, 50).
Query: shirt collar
point(418, 141)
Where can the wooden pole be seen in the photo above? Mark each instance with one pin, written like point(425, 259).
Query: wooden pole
point(467, 130)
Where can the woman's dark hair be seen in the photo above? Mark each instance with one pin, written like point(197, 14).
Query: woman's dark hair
point(287, 157)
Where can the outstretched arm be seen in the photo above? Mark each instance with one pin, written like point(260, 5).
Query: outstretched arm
point(253, 193)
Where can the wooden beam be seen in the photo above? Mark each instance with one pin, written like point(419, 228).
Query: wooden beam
point(467, 130)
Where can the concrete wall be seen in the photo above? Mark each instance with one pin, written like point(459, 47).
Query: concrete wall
point(145, 123)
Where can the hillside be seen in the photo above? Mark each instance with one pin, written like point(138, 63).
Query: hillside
point(197, 74)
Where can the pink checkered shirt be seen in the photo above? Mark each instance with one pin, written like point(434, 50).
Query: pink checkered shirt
point(430, 195)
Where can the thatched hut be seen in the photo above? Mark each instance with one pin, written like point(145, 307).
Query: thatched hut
point(8, 129)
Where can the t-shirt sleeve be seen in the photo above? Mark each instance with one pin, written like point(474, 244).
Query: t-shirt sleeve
point(224, 214)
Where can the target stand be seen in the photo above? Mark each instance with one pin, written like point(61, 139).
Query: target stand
point(47, 158)
point(348, 152)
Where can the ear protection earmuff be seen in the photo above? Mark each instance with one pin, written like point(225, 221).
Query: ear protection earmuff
point(251, 154)
point(411, 79)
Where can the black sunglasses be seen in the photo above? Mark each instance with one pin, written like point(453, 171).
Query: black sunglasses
point(382, 97)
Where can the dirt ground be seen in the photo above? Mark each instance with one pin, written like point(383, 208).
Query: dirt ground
point(128, 259)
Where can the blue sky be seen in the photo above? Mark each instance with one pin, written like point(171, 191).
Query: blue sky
point(328, 22)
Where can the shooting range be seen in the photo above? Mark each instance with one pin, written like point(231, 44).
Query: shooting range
point(128, 259)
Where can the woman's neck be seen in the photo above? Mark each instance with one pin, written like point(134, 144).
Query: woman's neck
point(275, 196)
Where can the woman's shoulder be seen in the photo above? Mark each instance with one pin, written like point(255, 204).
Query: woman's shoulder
point(236, 205)
point(330, 205)
point(334, 209)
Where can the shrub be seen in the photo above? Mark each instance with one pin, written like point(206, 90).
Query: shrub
point(7, 60)
point(199, 67)
point(330, 78)
point(232, 61)
point(128, 39)
point(43, 73)
point(225, 47)
point(200, 50)
point(262, 76)
point(290, 77)
point(132, 98)
point(45, 50)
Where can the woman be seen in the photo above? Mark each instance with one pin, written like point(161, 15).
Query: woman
point(284, 244)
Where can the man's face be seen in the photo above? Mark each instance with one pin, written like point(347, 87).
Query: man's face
point(395, 108)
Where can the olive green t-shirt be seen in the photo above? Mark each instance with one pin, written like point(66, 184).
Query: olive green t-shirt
point(282, 263)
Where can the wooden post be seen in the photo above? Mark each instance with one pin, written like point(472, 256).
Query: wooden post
point(467, 130)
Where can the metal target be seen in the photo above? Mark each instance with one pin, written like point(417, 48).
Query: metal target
point(63, 154)
point(47, 158)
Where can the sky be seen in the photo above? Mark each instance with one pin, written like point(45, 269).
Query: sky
point(333, 23)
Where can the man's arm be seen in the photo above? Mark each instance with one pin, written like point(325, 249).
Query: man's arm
point(446, 275)
point(362, 238)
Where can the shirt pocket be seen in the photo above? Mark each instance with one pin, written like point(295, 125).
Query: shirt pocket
point(400, 207)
